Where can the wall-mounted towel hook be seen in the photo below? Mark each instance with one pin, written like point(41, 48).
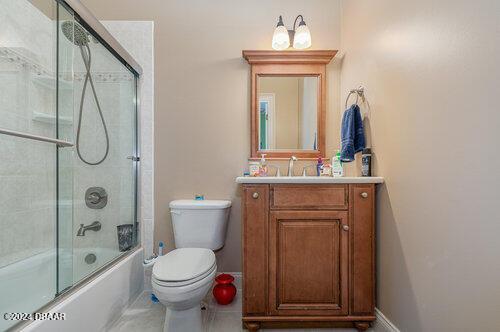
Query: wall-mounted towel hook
point(360, 93)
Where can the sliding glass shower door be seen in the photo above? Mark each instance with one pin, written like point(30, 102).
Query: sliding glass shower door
point(68, 141)
point(103, 163)
point(28, 146)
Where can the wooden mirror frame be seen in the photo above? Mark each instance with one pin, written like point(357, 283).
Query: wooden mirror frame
point(288, 63)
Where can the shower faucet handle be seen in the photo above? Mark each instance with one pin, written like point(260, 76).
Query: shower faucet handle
point(94, 198)
point(134, 158)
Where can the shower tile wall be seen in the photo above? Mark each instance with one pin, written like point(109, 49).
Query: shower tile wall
point(28, 168)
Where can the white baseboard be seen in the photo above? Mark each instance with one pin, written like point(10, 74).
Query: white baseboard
point(382, 324)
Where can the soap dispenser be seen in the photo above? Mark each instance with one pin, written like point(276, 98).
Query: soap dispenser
point(338, 170)
point(319, 166)
point(263, 165)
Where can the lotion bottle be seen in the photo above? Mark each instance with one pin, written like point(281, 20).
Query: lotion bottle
point(263, 165)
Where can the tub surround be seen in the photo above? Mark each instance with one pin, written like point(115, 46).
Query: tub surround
point(308, 252)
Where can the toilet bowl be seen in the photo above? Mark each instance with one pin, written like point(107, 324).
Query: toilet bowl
point(180, 280)
point(183, 277)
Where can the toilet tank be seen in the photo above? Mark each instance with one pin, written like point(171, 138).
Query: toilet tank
point(200, 223)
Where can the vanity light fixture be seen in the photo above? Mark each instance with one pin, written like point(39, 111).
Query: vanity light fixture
point(300, 36)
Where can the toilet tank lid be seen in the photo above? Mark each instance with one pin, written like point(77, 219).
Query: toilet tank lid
point(191, 204)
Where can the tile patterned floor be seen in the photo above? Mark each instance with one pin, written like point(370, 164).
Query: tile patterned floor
point(145, 316)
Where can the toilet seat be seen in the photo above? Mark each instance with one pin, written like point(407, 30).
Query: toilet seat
point(164, 283)
point(183, 266)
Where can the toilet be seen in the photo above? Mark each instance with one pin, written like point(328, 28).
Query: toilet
point(182, 278)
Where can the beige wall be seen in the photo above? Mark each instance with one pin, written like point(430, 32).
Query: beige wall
point(202, 93)
point(431, 73)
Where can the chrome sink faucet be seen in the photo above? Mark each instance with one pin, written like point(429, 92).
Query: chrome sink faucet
point(95, 226)
point(290, 165)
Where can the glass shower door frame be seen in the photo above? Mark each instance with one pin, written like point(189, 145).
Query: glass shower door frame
point(90, 23)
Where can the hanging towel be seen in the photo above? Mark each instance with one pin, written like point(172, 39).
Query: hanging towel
point(352, 134)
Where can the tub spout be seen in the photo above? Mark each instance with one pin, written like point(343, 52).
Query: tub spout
point(95, 226)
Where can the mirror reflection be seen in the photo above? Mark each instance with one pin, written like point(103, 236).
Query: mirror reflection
point(288, 109)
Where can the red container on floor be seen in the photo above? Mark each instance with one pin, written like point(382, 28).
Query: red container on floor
point(224, 292)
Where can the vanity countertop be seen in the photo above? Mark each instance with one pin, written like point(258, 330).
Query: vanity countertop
point(309, 179)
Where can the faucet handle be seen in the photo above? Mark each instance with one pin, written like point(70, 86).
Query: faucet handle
point(304, 169)
point(278, 172)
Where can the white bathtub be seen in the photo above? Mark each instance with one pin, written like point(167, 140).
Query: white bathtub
point(81, 269)
point(29, 284)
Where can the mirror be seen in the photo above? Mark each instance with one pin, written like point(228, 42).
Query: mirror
point(288, 109)
point(288, 103)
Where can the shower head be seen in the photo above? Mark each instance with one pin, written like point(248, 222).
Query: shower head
point(75, 33)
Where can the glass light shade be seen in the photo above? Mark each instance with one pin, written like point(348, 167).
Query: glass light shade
point(281, 40)
point(302, 38)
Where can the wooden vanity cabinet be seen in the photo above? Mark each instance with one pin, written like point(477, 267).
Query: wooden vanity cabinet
point(308, 255)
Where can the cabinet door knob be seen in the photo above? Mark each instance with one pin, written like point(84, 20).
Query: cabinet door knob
point(345, 227)
point(364, 195)
point(255, 195)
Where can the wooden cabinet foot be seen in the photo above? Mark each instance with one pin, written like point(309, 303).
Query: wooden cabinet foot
point(252, 326)
point(362, 326)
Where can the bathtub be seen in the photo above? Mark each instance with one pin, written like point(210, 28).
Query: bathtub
point(27, 285)
point(81, 269)
point(92, 305)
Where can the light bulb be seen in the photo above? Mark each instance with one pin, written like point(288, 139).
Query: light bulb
point(281, 40)
point(302, 38)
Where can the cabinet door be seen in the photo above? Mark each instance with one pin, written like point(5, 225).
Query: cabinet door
point(363, 249)
point(308, 263)
point(255, 211)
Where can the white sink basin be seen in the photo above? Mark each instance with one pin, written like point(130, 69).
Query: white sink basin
point(308, 179)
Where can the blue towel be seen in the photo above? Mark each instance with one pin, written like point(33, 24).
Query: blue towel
point(352, 134)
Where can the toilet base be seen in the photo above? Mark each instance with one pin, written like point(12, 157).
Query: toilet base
point(183, 320)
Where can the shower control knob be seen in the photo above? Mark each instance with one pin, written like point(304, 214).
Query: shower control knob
point(255, 195)
point(94, 198)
